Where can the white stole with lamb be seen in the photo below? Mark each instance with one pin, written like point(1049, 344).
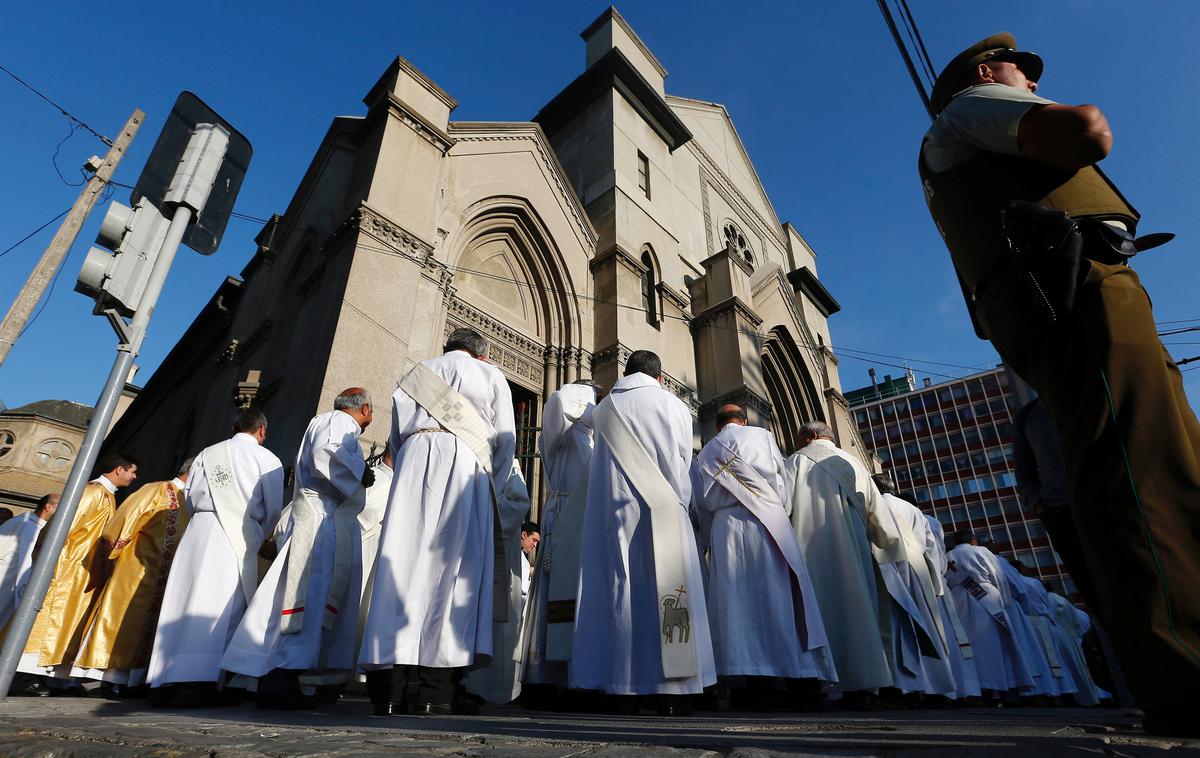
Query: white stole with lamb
point(678, 649)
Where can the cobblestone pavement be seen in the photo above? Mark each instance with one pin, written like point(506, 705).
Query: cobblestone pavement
point(86, 727)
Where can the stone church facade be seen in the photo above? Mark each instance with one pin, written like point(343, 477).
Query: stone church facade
point(620, 218)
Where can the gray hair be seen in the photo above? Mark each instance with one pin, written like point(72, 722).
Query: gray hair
point(186, 466)
point(816, 429)
point(467, 339)
point(352, 401)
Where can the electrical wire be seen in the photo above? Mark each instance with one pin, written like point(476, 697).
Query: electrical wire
point(19, 242)
point(1179, 331)
point(839, 351)
point(72, 117)
point(54, 158)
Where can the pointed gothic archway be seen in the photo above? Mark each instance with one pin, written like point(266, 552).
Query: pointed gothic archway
point(511, 284)
point(790, 388)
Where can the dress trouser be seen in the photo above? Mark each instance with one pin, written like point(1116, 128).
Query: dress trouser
point(436, 685)
point(1130, 443)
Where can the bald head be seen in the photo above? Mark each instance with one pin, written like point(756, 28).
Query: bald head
point(731, 413)
point(356, 403)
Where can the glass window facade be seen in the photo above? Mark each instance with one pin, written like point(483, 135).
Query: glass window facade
point(950, 450)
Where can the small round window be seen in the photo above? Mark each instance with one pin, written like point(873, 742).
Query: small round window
point(54, 455)
point(7, 441)
point(736, 243)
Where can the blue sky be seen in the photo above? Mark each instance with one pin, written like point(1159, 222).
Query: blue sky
point(817, 91)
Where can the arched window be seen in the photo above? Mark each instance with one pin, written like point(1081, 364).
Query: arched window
point(649, 290)
point(736, 243)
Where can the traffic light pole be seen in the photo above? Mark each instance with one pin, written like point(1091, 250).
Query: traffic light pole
point(42, 274)
point(60, 524)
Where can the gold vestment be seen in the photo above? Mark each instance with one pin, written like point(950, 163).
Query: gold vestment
point(59, 626)
point(141, 541)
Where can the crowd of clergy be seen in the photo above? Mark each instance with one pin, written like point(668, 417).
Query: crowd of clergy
point(655, 571)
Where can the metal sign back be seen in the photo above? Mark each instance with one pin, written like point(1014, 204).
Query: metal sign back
point(204, 233)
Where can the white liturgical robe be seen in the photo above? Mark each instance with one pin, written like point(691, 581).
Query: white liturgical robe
point(1037, 648)
point(764, 615)
point(836, 511)
point(916, 618)
point(981, 596)
point(370, 522)
point(619, 634)
point(329, 468)
point(497, 682)
point(18, 535)
point(204, 598)
point(962, 653)
point(566, 450)
point(431, 603)
point(1072, 624)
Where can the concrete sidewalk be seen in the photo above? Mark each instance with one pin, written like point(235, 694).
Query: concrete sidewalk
point(84, 727)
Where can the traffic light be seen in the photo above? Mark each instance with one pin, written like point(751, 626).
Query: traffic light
point(117, 279)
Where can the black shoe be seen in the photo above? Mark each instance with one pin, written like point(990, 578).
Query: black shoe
point(433, 709)
point(382, 709)
point(673, 706)
point(465, 707)
point(103, 692)
point(161, 697)
point(67, 692)
point(28, 685)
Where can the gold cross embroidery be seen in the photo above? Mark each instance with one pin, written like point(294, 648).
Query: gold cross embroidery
point(727, 468)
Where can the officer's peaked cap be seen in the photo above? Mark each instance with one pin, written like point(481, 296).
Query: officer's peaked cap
point(957, 74)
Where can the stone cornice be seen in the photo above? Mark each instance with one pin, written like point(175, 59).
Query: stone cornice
point(478, 131)
point(619, 354)
point(675, 297)
point(837, 397)
point(613, 71)
point(396, 241)
point(402, 64)
point(725, 252)
point(415, 121)
point(743, 396)
point(622, 256)
point(806, 282)
point(620, 21)
point(735, 304)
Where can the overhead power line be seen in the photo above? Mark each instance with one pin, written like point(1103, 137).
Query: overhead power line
point(21, 241)
point(83, 124)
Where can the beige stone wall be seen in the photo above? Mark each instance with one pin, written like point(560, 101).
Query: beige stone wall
point(37, 461)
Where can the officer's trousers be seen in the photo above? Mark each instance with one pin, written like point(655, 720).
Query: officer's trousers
point(1130, 443)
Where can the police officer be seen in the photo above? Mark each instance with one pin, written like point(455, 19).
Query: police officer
point(1087, 343)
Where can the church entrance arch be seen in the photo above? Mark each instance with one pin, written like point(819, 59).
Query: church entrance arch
point(511, 285)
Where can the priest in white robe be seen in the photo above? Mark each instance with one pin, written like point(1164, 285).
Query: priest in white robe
point(761, 604)
point(980, 593)
point(566, 452)
point(961, 652)
point(920, 654)
point(234, 498)
point(1072, 624)
point(453, 438)
point(18, 536)
point(641, 626)
point(370, 522)
point(498, 682)
point(303, 620)
point(844, 529)
point(1037, 647)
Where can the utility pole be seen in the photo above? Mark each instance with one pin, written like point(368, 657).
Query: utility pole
point(38, 281)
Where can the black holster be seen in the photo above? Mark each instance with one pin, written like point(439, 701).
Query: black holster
point(1046, 248)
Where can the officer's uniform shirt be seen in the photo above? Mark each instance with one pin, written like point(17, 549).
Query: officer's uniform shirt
point(984, 117)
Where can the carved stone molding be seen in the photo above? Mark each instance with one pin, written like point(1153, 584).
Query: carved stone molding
point(619, 354)
point(735, 304)
point(248, 390)
point(745, 397)
point(414, 121)
point(522, 358)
